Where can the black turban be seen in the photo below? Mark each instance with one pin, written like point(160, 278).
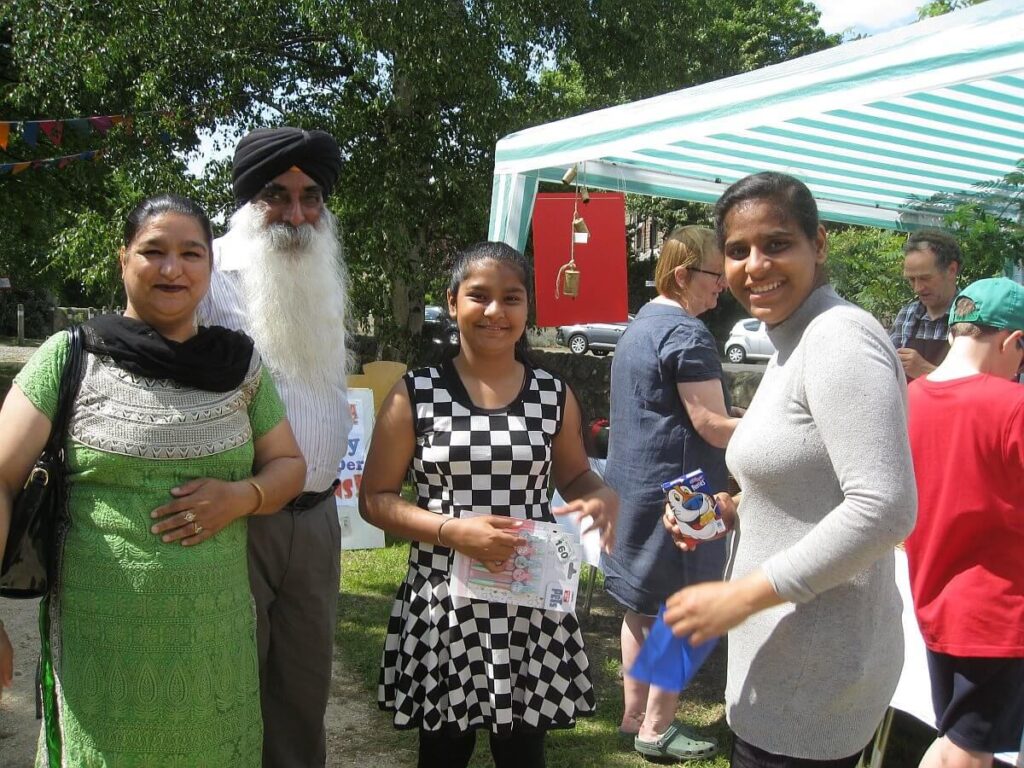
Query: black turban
point(266, 153)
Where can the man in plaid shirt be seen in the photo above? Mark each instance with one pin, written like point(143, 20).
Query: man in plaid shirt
point(931, 263)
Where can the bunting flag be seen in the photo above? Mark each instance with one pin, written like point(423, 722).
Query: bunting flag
point(30, 133)
point(51, 162)
point(54, 129)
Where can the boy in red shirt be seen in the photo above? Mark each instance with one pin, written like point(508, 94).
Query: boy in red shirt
point(966, 422)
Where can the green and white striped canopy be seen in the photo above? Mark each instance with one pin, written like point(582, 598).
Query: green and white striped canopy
point(871, 126)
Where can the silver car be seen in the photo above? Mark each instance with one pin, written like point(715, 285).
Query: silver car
point(599, 338)
point(748, 340)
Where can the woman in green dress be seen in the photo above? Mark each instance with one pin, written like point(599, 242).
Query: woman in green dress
point(177, 434)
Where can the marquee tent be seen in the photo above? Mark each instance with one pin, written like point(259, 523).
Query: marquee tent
point(871, 126)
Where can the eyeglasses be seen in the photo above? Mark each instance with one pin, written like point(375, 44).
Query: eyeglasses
point(716, 275)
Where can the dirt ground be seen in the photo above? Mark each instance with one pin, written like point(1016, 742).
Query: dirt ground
point(353, 719)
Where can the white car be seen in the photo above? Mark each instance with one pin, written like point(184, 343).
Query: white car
point(748, 340)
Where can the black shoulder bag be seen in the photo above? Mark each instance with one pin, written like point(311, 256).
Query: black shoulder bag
point(30, 558)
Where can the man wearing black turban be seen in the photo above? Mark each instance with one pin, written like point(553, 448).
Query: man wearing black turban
point(280, 278)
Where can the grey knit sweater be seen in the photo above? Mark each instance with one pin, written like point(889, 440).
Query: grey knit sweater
point(828, 489)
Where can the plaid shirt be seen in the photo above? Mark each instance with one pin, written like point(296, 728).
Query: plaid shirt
point(913, 322)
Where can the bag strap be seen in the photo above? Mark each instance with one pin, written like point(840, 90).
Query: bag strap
point(69, 380)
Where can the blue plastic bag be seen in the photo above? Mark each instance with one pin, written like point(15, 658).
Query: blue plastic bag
point(667, 661)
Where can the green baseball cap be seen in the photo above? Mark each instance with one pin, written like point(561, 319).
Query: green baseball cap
point(998, 303)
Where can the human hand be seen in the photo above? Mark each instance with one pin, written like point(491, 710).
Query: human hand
point(491, 539)
point(201, 508)
point(727, 508)
point(602, 507)
point(712, 608)
point(914, 365)
point(6, 661)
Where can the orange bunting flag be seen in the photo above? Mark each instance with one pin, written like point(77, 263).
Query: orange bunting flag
point(5, 133)
point(19, 167)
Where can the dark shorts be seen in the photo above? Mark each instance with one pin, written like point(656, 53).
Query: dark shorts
point(979, 703)
point(746, 755)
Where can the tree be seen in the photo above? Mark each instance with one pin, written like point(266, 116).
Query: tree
point(417, 94)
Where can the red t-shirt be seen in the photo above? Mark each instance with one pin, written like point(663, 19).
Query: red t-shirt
point(967, 552)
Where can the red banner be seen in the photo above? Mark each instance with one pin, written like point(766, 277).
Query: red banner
point(601, 261)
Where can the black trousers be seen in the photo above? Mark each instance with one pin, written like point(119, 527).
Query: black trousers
point(746, 755)
point(520, 750)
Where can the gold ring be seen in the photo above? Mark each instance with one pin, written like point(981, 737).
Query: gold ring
point(190, 516)
point(197, 528)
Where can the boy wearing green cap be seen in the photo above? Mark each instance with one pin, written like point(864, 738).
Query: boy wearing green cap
point(966, 422)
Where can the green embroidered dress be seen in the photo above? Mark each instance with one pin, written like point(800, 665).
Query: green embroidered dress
point(153, 644)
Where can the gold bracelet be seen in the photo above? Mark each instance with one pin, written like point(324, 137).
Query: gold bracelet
point(441, 528)
point(259, 493)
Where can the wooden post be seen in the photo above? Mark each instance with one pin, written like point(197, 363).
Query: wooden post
point(21, 324)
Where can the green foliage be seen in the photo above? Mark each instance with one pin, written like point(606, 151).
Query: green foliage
point(417, 94)
point(866, 267)
point(941, 7)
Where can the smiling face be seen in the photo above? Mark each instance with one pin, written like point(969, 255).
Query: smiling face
point(166, 273)
point(490, 307)
point(770, 263)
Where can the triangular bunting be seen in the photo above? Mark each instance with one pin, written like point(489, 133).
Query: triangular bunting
point(6, 168)
point(65, 161)
point(80, 125)
point(54, 130)
point(19, 167)
point(5, 134)
point(30, 133)
point(101, 124)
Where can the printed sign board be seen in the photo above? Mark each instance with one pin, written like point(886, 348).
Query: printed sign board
point(356, 533)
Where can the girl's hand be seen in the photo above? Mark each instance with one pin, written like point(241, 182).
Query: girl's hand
point(6, 661)
point(727, 508)
point(602, 509)
point(491, 539)
point(201, 509)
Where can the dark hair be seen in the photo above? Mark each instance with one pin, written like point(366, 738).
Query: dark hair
point(791, 194)
point(157, 205)
point(504, 254)
point(943, 245)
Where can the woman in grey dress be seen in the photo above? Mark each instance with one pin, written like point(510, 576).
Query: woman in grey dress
point(668, 417)
point(822, 456)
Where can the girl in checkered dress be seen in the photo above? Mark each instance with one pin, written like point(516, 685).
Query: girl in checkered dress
point(483, 432)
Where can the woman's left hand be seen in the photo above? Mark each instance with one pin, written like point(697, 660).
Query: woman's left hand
point(201, 508)
point(712, 608)
point(602, 507)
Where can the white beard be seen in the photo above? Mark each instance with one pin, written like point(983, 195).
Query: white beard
point(295, 286)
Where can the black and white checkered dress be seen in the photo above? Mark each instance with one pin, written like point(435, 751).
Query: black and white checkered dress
point(478, 664)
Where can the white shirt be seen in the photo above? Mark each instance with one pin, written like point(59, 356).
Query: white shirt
point(319, 414)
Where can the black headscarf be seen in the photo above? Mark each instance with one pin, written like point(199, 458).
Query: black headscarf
point(215, 359)
point(266, 153)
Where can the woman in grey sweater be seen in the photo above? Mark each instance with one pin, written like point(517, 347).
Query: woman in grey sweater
point(811, 605)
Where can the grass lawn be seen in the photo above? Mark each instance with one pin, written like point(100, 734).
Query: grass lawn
point(369, 581)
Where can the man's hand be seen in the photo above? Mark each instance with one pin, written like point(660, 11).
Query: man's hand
point(6, 661)
point(914, 365)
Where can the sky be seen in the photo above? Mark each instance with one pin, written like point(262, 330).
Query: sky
point(857, 16)
point(866, 16)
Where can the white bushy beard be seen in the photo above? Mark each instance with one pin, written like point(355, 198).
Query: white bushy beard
point(295, 286)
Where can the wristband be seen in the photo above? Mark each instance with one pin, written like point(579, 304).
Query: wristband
point(259, 493)
point(441, 528)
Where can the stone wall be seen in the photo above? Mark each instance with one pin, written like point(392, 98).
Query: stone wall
point(588, 375)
